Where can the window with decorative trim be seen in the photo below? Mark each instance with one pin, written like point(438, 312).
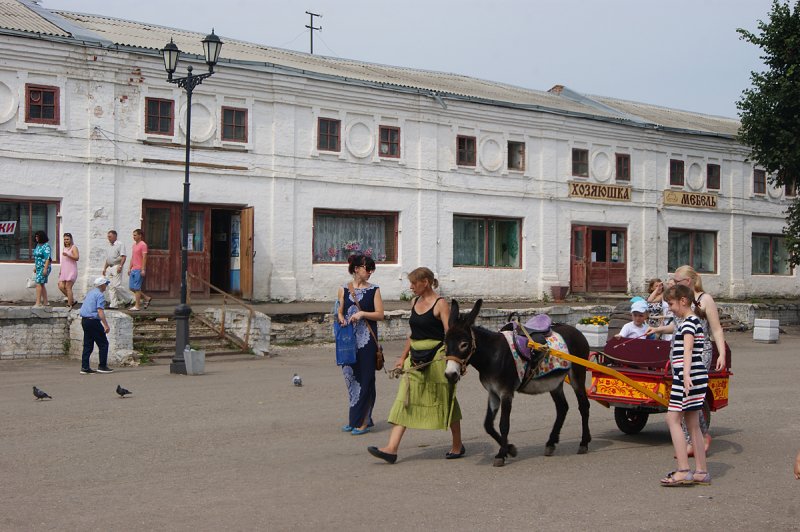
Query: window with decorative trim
point(159, 116)
point(675, 173)
point(770, 255)
point(42, 105)
point(623, 167)
point(516, 155)
point(19, 220)
point(698, 249)
point(759, 182)
point(580, 162)
point(390, 141)
point(486, 242)
point(712, 176)
point(466, 150)
point(341, 233)
point(234, 124)
point(329, 134)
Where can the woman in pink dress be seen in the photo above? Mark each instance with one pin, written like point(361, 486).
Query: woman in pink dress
point(69, 269)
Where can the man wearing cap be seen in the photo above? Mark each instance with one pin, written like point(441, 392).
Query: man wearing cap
point(95, 327)
point(638, 327)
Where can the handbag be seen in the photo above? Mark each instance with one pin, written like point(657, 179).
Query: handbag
point(345, 343)
point(424, 356)
point(30, 283)
point(379, 360)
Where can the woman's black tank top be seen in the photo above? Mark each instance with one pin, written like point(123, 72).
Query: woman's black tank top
point(425, 326)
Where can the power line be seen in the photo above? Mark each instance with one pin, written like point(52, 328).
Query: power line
point(312, 28)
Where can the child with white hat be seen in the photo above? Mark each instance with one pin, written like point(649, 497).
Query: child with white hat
point(638, 327)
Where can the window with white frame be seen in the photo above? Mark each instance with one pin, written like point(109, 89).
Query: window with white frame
point(580, 162)
point(390, 141)
point(339, 234)
point(487, 242)
point(19, 220)
point(234, 124)
point(159, 116)
point(770, 255)
point(698, 249)
point(516, 155)
point(759, 182)
point(41, 104)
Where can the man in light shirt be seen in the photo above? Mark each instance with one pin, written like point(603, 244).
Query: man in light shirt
point(118, 296)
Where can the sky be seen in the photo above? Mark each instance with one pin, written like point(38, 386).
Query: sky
point(683, 54)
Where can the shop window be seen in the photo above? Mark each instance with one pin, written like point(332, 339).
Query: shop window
point(698, 249)
point(580, 162)
point(159, 117)
point(675, 173)
point(19, 220)
point(759, 182)
point(486, 242)
point(770, 255)
point(465, 147)
point(41, 105)
point(328, 134)
point(234, 124)
point(339, 234)
point(712, 176)
point(197, 223)
point(516, 155)
point(390, 141)
point(157, 228)
point(623, 167)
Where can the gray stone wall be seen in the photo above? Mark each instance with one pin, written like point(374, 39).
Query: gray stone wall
point(236, 324)
point(28, 332)
point(120, 339)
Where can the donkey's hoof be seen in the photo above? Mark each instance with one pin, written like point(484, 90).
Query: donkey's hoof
point(583, 449)
point(549, 450)
point(499, 462)
point(512, 451)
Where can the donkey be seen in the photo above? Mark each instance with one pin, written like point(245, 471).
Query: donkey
point(489, 354)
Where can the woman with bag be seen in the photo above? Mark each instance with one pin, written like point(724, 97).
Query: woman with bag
point(41, 267)
point(359, 303)
point(425, 398)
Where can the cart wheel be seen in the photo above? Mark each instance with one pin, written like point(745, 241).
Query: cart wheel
point(630, 421)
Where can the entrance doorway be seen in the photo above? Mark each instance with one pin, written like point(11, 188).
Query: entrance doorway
point(598, 259)
point(218, 243)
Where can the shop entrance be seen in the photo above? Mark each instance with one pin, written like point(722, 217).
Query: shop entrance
point(598, 259)
point(220, 237)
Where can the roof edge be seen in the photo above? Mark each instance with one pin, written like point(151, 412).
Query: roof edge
point(75, 31)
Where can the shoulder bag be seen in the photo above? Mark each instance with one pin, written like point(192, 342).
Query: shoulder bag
point(379, 349)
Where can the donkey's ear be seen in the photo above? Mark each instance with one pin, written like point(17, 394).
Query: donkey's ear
point(453, 314)
point(474, 312)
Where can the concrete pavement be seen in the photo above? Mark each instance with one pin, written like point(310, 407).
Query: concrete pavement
point(240, 448)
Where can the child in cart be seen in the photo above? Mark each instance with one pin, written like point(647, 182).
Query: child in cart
point(637, 327)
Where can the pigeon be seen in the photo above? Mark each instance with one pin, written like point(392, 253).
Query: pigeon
point(122, 392)
point(40, 394)
point(296, 380)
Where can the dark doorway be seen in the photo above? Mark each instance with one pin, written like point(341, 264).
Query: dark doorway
point(221, 249)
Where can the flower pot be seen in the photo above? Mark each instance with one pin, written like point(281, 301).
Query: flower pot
point(559, 292)
point(596, 335)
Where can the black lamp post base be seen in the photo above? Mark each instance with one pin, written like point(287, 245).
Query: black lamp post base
point(182, 313)
point(177, 368)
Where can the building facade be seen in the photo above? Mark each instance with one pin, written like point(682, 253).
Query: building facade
point(300, 160)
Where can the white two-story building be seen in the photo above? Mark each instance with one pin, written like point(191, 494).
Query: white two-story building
point(299, 160)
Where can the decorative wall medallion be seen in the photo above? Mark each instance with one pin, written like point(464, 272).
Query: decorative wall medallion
point(203, 123)
point(774, 192)
point(694, 177)
point(359, 139)
point(9, 103)
point(601, 166)
point(491, 155)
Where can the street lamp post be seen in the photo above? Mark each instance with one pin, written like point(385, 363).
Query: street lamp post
point(211, 48)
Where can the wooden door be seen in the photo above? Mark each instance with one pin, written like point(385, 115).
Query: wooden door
point(247, 253)
point(162, 232)
point(577, 278)
point(607, 268)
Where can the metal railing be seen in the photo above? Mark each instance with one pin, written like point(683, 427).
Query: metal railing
point(245, 344)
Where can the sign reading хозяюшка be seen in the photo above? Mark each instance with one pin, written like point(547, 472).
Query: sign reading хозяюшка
point(8, 228)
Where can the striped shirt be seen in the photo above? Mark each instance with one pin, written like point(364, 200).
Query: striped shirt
point(693, 400)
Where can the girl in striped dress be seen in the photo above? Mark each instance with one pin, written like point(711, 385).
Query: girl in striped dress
point(689, 383)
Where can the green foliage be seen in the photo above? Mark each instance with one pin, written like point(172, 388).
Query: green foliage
point(65, 345)
point(770, 109)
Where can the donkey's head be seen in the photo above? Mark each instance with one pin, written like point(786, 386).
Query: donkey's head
point(460, 340)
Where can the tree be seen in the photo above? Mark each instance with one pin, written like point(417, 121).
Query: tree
point(770, 109)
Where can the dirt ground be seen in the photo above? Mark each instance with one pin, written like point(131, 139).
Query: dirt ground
point(240, 448)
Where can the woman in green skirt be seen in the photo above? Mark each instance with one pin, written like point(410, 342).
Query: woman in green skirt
point(425, 398)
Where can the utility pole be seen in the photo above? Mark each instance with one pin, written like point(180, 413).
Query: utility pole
point(312, 28)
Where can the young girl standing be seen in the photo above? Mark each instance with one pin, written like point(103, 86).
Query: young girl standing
point(689, 383)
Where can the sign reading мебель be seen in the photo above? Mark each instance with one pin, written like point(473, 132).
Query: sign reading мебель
point(8, 228)
point(596, 191)
point(690, 199)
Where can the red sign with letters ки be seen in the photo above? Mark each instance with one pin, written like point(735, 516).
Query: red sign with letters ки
point(8, 228)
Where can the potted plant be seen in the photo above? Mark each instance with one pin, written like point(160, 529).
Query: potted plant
point(595, 329)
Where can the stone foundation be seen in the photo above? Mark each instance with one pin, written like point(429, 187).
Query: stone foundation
point(120, 339)
point(236, 324)
point(28, 332)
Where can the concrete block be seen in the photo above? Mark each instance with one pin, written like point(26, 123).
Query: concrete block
point(769, 324)
point(766, 335)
